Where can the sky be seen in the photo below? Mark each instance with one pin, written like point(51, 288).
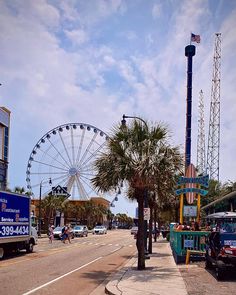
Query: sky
point(93, 61)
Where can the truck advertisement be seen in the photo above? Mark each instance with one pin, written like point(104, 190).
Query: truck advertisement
point(14, 215)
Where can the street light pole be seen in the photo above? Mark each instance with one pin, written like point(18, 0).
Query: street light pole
point(40, 199)
point(123, 121)
point(123, 124)
point(40, 207)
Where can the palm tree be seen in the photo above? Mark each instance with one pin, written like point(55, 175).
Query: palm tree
point(163, 193)
point(110, 217)
point(134, 155)
point(19, 190)
point(50, 204)
point(77, 212)
point(89, 210)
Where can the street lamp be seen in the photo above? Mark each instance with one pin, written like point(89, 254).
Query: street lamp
point(123, 124)
point(40, 200)
point(123, 121)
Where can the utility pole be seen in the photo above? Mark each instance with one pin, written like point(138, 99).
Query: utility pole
point(213, 150)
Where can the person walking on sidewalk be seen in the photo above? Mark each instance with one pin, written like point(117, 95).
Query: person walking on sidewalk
point(50, 234)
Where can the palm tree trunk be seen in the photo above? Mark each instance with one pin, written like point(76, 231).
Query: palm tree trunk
point(150, 229)
point(140, 235)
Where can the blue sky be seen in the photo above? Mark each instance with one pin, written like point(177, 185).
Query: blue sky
point(93, 61)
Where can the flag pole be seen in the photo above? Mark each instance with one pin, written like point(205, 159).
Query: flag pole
point(190, 38)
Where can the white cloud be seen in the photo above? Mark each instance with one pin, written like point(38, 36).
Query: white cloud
point(46, 82)
point(156, 10)
point(78, 36)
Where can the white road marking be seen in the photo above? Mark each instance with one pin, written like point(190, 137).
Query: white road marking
point(116, 250)
point(109, 244)
point(66, 274)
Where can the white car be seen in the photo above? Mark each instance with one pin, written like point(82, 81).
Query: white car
point(80, 231)
point(99, 230)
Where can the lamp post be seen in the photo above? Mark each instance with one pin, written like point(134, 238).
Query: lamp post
point(40, 208)
point(123, 124)
point(123, 121)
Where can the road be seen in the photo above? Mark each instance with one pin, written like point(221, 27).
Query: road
point(82, 267)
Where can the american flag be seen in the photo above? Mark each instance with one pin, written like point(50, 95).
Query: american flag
point(195, 38)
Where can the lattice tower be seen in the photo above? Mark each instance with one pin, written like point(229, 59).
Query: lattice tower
point(213, 149)
point(201, 146)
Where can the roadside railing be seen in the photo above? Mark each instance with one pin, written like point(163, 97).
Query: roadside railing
point(182, 240)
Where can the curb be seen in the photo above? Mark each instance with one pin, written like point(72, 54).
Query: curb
point(112, 287)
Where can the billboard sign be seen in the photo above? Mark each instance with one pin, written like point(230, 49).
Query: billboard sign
point(190, 211)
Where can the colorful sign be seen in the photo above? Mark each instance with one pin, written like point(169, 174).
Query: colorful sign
point(199, 191)
point(203, 180)
point(190, 173)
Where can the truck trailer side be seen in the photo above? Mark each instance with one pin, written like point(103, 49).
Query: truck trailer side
point(16, 232)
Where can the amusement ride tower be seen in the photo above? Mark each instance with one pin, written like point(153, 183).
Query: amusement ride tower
point(201, 147)
point(213, 150)
point(189, 53)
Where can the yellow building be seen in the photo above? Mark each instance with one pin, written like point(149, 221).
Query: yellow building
point(4, 145)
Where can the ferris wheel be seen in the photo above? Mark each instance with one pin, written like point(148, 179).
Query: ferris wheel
point(65, 156)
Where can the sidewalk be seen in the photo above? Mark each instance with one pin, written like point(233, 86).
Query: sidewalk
point(161, 276)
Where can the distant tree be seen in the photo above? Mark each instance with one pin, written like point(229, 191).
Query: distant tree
point(19, 190)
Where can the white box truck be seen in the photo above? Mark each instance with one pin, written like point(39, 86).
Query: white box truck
point(16, 232)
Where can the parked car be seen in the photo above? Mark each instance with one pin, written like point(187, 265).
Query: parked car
point(134, 230)
point(221, 244)
point(99, 229)
point(57, 232)
point(80, 231)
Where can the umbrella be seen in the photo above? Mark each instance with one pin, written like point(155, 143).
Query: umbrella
point(222, 215)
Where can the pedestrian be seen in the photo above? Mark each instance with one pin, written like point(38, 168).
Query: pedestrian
point(50, 234)
point(66, 235)
point(69, 233)
point(63, 235)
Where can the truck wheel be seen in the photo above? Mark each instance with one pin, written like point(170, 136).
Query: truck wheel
point(30, 247)
point(1, 253)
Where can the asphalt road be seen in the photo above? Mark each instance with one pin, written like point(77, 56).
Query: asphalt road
point(82, 267)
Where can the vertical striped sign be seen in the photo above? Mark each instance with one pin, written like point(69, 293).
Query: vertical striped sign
point(190, 173)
